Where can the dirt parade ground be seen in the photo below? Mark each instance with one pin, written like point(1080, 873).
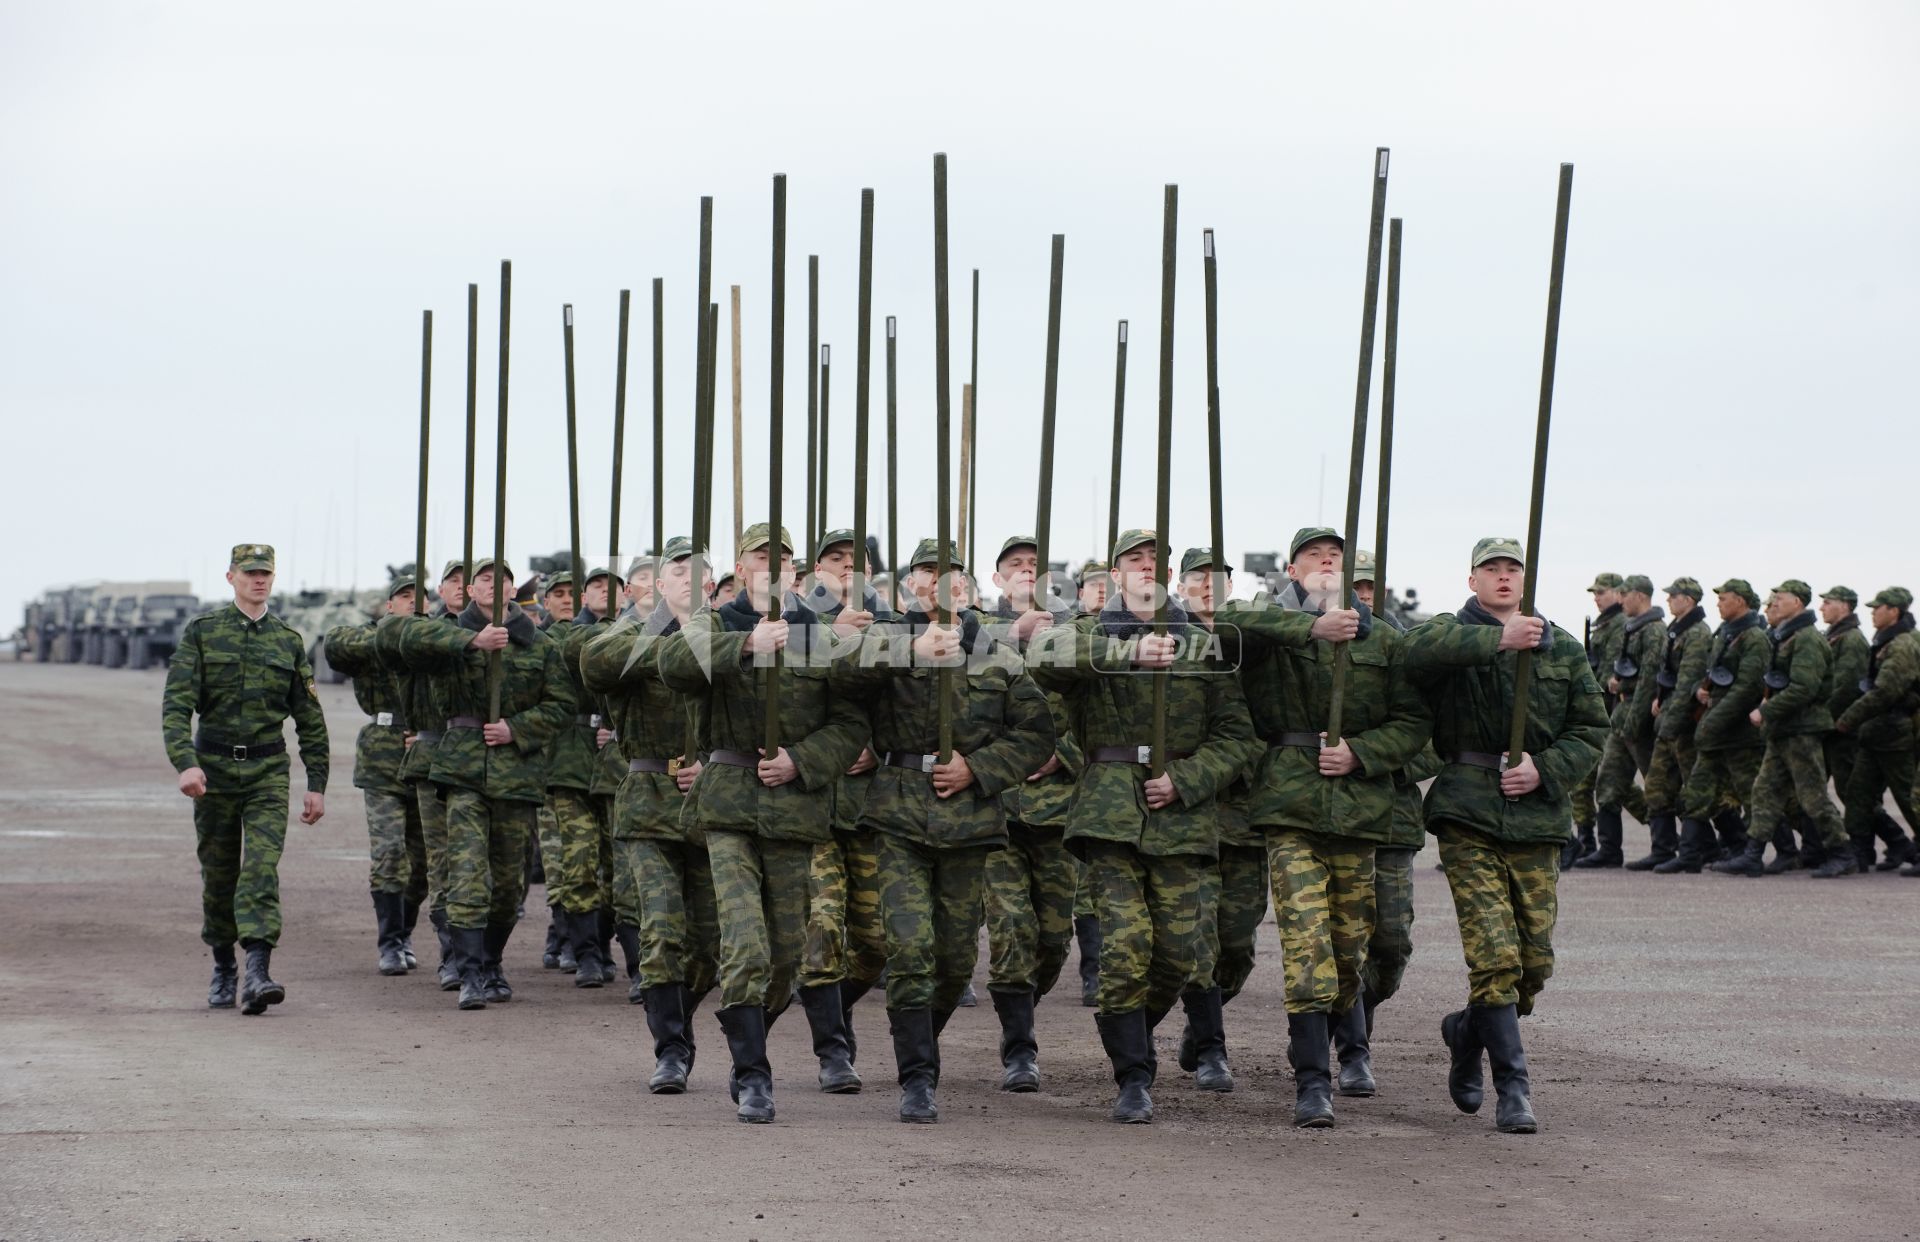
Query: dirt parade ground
point(1715, 1058)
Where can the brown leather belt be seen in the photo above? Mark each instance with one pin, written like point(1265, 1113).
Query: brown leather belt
point(648, 765)
point(1305, 741)
point(734, 758)
point(1477, 759)
point(1129, 754)
point(227, 750)
point(910, 761)
point(465, 722)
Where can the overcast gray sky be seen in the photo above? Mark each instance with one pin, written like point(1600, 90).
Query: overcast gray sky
point(219, 224)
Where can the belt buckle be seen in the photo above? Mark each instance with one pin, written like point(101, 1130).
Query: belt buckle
point(673, 766)
point(1143, 755)
point(593, 721)
point(239, 753)
point(383, 718)
point(926, 763)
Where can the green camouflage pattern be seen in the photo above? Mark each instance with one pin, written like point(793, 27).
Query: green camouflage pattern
point(424, 697)
point(1604, 644)
point(1288, 676)
point(1620, 760)
point(1793, 773)
point(430, 803)
point(1045, 803)
point(1323, 898)
point(242, 679)
point(1726, 725)
point(1390, 947)
point(570, 851)
point(1689, 652)
point(1506, 899)
point(931, 899)
point(1851, 658)
point(1468, 684)
point(1720, 780)
point(573, 755)
point(1209, 739)
point(1030, 887)
point(1673, 760)
point(665, 889)
point(536, 700)
point(1149, 911)
point(760, 899)
point(395, 846)
point(1875, 774)
point(1646, 645)
point(239, 834)
point(1409, 815)
point(380, 750)
point(1233, 902)
point(1882, 718)
point(1801, 705)
point(621, 664)
point(845, 936)
point(823, 731)
point(486, 857)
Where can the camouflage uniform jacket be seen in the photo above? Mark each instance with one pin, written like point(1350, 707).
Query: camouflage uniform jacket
point(822, 730)
point(1109, 702)
point(1742, 648)
point(381, 748)
point(1851, 656)
point(1000, 722)
point(573, 754)
point(424, 696)
point(1468, 681)
point(242, 678)
point(1643, 640)
point(1288, 677)
point(1882, 717)
point(609, 765)
point(1042, 803)
point(1797, 681)
point(536, 701)
point(850, 791)
point(621, 661)
point(1682, 669)
point(1604, 644)
point(1409, 818)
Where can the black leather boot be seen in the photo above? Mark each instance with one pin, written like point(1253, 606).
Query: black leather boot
point(1019, 1048)
point(968, 997)
point(1899, 846)
point(1665, 842)
point(257, 988)
point(603, 924)
point(558, 938)
point(1128, 1042)
point(1465, 1080)
point(851, 990)
point(1499, 1031)
point(1608, 834)
point(493, 976)
point(448, 974)
point(387, 916)
point(1839, 862)
point(826, 1019)
point(629, 938)
point(667, 1021)
point(1750, 861)
point(1697, 849)
point(1207, 1028)
point(1308, 1037)
point(1786, 851)
point(752, 1080)
point(1086, 933)
point(409, 919)
point(1353, 1049)
point(916, 1051)
point(470, 965)
point(1571, 848)
point(226, 975)
point(1732, 827)
point(585, 935)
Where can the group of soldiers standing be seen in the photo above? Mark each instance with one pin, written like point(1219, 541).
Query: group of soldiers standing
point(1736, 730)
point(749, 795)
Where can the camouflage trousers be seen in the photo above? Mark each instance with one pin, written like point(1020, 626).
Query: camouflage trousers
point(1720, 780)
point(486, 858)
point(845, 936)
point(239, 834)
point(431, 805)
point(570, 850)
point(1031, 886)
point(930, 901)
point(1613, 783)
point(395, 845)
point(1875, 772)
point(1585, 809)
point(1149, 911)
point(760, 897)
point(1083, 907)
point(1323, 896)
point(1233, 900)
point(1793, 775)
point(1667, 774)
point(665, 889)
point(1506, 900)
point(1391, 946)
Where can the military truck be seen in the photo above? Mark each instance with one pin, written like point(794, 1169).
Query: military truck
point(157, 621)
point(96, 625)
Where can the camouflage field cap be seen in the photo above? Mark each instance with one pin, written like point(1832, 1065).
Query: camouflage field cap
point(1637, 582)
point(1686, 586)
point(554, 583)
point(679, 548)
point(1094, 567)
point(758, 537)
point(483, 564)
point(251, 556)
point(1893, 597)
point(1607, 582)
point(1199, 558)
point(453, 567)
point(398, 585)
point(927, 552)
point(602, 571)
point(839, 534)
point(1793, 586)
point(639, 565)
point(1131, 539)
point(1493, 547)
point(1307, 534)
point(1364, 569)
point(1845, 594)
point(1740, 587)
point(1016, 541)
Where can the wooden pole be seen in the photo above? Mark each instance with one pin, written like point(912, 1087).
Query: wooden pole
point(426, 407)
point(739, 474)
point(495, 670)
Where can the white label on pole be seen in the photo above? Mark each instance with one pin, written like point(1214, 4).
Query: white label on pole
point(1209, 237)
point(890, 326)
point(568, 312)
point(1383, 163)
point(1123, 332)
point(823, 354)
